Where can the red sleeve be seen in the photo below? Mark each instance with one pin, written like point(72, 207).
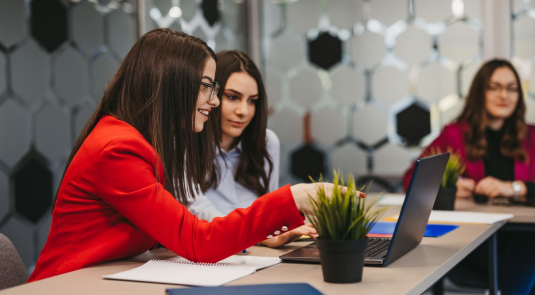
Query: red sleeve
point(126, 180)
point(439, 143)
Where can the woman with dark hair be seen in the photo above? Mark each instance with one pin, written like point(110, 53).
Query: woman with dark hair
point(498, 149)
point(119, 195)
point(247, 157)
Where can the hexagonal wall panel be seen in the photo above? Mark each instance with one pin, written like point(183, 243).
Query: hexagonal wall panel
point(308, 160)
point(328, 126)
point(345, 13)
point(30, 66)
point(459, 42)
point(394, 91)
point(102, 70)
point(21, 235)
point(413, 124)
point(43, 231)
point(362, 120)
point(273, 86)
point(524, 46)
point(295, 12)
point(121, 32)
point(388, 12)
point(367, 49)
point(12, 16)
point(447, 117)
point(349, 159)
point(406, 50)
point(81, 115)
point(32, 181)
point(348, 85)
point(274, 14)
point(15, 132)
point(433, 10)
point(50, 28)
point(279, 123)
point(53, 132)
point(467, 75)
point(325, 51)
point(210, 11)
point(286, 52)
point(305, 87)
point(435, 82)
point(3, 82)
point(87, 28)
point(4, 195)
point(71, 76)
point(391, 159)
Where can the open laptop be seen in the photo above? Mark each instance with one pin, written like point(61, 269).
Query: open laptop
point(412, 220)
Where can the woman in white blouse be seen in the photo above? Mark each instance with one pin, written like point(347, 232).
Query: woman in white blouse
point(247, 161)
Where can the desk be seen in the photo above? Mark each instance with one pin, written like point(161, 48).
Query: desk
point(413, 273)
point(524, 216)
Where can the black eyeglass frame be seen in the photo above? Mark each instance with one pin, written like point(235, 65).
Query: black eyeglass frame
point(214, 88)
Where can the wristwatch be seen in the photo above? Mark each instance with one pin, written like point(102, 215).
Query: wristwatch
point(516, 190)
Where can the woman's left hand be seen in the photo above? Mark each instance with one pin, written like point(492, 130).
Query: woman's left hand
point(493, 187)
point(291, 236)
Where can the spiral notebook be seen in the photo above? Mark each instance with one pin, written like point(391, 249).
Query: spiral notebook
point(183, 272)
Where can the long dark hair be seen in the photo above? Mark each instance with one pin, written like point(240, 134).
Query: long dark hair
point(155, 90)
point(250, 172)
point(475, 115)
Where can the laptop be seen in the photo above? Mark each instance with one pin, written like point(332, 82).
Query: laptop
point(411, 223)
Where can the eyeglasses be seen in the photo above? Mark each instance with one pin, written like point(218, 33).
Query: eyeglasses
point(214, 88)
point(496, 88)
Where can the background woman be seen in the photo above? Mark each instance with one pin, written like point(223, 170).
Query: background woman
point(498, 150)
point(247, 157)
point(118, 199)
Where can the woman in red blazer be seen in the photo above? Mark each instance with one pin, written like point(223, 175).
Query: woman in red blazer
point(498, 150)
point(117, 198)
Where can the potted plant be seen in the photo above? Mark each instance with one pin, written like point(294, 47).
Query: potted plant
point(446, 194)
point(342, 219)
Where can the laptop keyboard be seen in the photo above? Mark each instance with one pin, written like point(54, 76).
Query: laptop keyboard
point(376, 246)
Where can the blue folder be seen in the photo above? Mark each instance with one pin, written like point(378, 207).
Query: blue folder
point(265, 289)
point(431, 231)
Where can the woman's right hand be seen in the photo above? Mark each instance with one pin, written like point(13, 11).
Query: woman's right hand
point(302, 191)
point(465, 187)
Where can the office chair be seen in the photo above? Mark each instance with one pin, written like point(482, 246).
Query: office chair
point(12, 270)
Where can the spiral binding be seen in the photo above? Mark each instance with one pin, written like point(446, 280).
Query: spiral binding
point(203, 264)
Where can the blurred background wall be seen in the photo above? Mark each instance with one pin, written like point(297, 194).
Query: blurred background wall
point(357, 84)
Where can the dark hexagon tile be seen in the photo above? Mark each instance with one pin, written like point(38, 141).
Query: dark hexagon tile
point(21, 235)
point(30, 66)
point(102, 70)
point(15, 132)
point(33, 183)
point(3, 82)
point(307, 161)
point(71, 76)
point(210, 11)
point(49, 23)
point(87, 28)
point(121, 32)
point(325, 51)
point(4, 195)
point(413, 124)
point(53, 132)
point(12, 16)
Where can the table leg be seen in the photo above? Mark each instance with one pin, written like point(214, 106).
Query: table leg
point(493, 265)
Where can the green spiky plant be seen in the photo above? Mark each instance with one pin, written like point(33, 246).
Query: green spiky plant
point(345, 215)
point(454, 168)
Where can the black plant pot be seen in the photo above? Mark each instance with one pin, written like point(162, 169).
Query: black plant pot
point(342, 261)
point(445, 199)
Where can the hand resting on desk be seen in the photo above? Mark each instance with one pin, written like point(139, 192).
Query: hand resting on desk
point(489, 186)
point(291, 236)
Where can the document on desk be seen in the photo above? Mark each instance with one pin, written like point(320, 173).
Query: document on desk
point(180, 271)
point(456, 217)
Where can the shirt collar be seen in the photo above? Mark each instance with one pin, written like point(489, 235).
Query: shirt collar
point(236, 149)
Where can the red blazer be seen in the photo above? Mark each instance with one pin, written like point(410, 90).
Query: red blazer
point(452, 137)
point(110, 206)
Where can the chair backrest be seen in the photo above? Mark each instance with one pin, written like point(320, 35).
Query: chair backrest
point(12, 270)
